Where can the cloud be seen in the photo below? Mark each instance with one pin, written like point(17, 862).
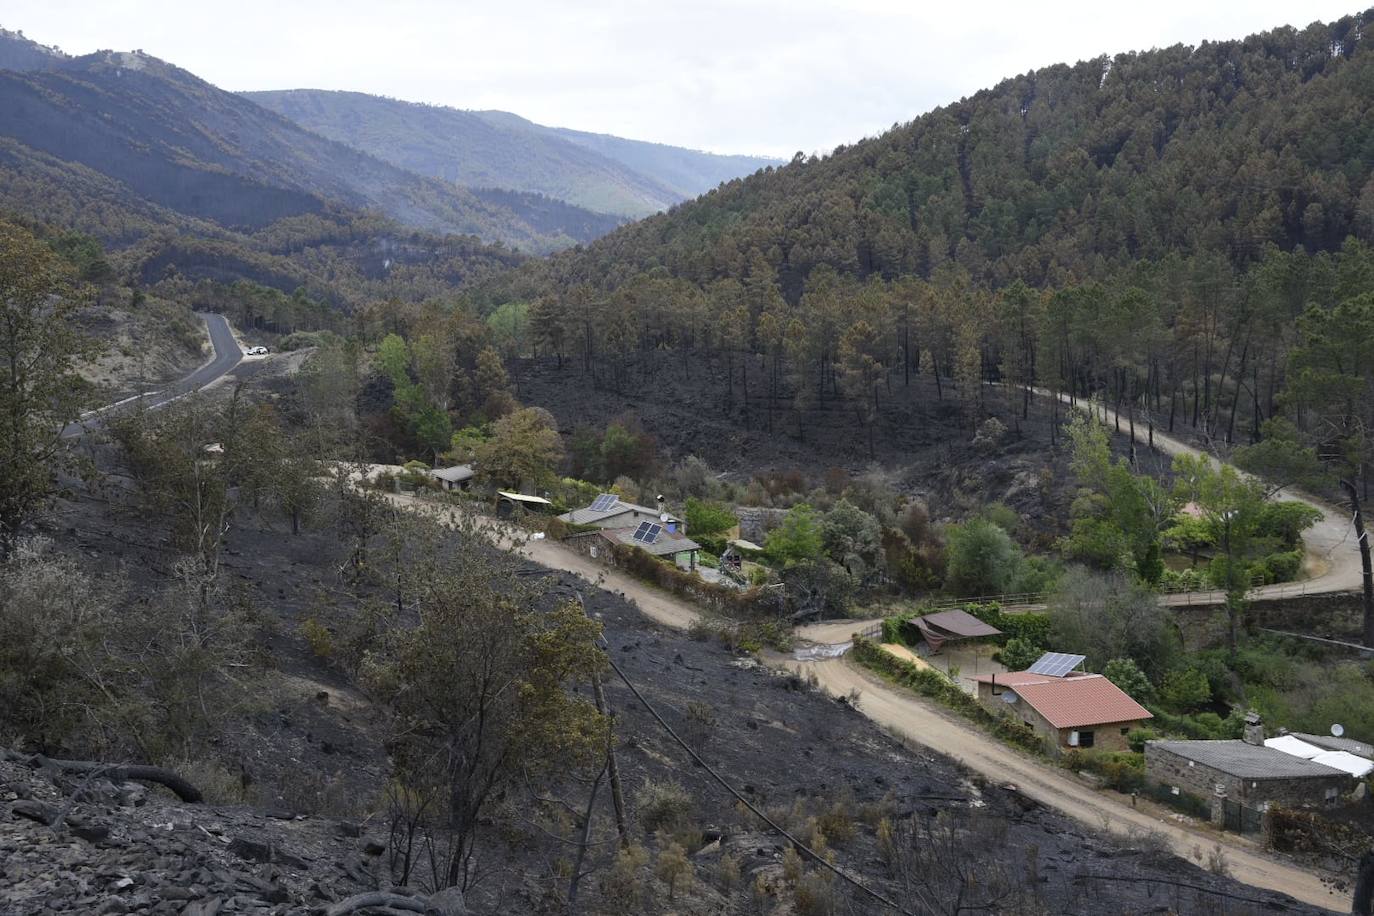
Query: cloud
point(760, 76)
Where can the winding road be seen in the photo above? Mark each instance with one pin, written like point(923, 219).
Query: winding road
point(1332, 564)
point(228, 354)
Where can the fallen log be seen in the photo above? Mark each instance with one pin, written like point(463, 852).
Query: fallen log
point(116, 772)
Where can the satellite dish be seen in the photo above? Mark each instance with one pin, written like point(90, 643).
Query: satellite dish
point(1338, 729)
point(663, 517)
point(1008, 697)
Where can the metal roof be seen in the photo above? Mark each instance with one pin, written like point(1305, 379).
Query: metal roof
point(456, 474)
point(1330, 743)
point(665, 543)
point(523, 498)
point(1295, 746)
point(590, 516)
point(1247, 761)
point(1356, 766)
point(958, 623)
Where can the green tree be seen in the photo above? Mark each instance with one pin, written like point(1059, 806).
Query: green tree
point(1232, 506)
point(981, 558)
point(393, 358)
point(1126, 524)
point(797, 539)
point(524, 448)
point(1112, 615)
point(1126, 674)
point(41, 349)
point(483, 691)
point(851, 537)
point(705, 518)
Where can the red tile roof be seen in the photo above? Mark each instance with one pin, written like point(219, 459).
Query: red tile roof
point(1075, 702)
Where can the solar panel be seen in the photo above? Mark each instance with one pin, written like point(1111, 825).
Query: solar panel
point(647, 532)
point(604, 502)
point(1056, 664)
point(652, 534)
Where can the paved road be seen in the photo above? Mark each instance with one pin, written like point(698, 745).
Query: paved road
point(228, 354)
point(1333, 558)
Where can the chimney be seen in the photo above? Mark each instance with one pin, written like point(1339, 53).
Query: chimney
point(1254, 729)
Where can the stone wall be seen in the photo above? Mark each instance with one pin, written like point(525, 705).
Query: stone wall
point(1336, 616)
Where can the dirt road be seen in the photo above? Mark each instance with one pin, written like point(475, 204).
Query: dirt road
point(905, 715)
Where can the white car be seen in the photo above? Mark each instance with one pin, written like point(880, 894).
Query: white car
point(255, 351)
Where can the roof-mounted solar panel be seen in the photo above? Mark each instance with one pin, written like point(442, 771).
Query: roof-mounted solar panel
point(604, 503)
point(1056, 664)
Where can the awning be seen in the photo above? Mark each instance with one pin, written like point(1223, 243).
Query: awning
point(938, 629)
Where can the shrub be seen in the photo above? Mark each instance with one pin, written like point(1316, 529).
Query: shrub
point(1138, 737)
point(1185, 689)
point(622, 881)
point(662, 805)
point(1280, 567)
point(893, 628)
point(1123, 771)
point(1018, 654)
point(318, 637)
point(299, 340)
point(728, 873)
point(1033, 627)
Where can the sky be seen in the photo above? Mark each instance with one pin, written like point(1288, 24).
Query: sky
point(768, 77)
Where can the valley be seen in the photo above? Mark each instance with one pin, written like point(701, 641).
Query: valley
point(418, 508)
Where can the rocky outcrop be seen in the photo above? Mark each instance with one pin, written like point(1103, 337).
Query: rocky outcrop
point(98, 846)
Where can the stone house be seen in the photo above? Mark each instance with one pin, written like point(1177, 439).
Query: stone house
point(458, 477)
point(610, 511)
point(1244, 772)
point(1073, 711)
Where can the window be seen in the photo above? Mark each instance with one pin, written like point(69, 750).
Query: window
point(1085, 739)
point(1126, 730)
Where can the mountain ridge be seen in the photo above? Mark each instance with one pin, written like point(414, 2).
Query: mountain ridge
point(175, 140)
point(628, 178)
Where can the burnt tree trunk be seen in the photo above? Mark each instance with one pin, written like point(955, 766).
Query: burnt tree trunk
point(1363, 904)
point(1362, 539)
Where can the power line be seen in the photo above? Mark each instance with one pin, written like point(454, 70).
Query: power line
point(752, 807)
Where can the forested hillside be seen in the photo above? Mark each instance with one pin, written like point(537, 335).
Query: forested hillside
point(1066, 172)
point(1167, 230)
point(162, 137)
point(472, 150)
